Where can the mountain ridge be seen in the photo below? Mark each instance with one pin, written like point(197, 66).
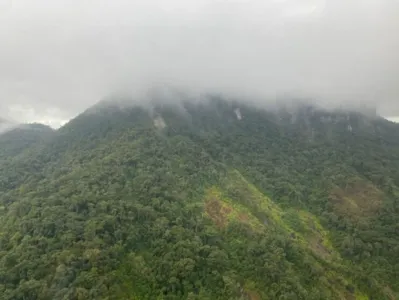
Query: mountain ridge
point(214, 200)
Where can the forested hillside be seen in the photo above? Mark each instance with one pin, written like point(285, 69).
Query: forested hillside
point(208, 200)
point(20, 137)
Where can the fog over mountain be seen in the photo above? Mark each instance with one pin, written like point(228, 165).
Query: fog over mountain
point(197, 150)
point(5, 125)
point(60, 57)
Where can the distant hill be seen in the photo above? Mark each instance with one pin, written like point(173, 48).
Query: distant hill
point(17, 138)
point(208, 200)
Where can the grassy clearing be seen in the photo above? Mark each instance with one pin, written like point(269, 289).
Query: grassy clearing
point(223, 210)
point(237, 200)
point(358, 200)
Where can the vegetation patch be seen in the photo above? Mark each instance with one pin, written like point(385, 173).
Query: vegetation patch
point(222, 210)
point(317, 237)
point(357, 199)
point(299, 224)
point(251, 295)
point(389, 293)
point(247, 195)
point(217, 211)
point(308, 229)
point(318, 247)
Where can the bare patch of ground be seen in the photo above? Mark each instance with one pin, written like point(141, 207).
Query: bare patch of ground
point(251, 295)
point(358, 199)
point(159, 122)
point(243, 217)
point(389, 293)
point(317, 246)
point(217, 211)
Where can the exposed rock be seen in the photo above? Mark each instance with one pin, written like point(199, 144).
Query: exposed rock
point(159, 122)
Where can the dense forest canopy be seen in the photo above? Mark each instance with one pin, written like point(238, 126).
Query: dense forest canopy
point(207, 200)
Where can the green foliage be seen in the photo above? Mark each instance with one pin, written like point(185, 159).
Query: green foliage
point(276, 205)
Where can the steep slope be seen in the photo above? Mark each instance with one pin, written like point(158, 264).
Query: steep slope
point(17, 145)
point(214, 200)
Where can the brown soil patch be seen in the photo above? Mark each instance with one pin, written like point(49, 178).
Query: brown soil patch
point(348, 296)
point(225, 210)
point(389, 293)
point(318, 248)
point(359, 199)
point(217, 212)
point(243, 217)
point(251, 295)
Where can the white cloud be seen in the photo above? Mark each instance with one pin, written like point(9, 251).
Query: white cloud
point(50, 116)
point(393, 119)
point(68, 54)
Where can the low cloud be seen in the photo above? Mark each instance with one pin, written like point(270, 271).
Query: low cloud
point(58, 57)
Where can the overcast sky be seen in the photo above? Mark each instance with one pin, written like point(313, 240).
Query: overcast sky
point(57, 57)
